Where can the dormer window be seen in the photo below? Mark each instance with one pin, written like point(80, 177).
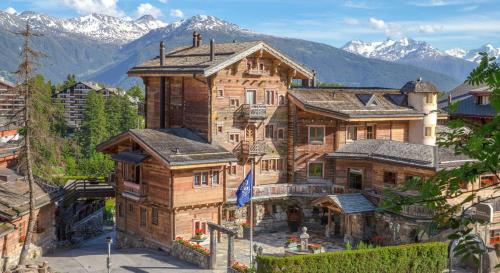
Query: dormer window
point(482, 100)
point(429, 98)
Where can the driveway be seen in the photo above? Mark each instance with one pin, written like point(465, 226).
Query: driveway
point(91, 257)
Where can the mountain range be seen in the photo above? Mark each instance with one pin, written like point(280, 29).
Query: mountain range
point(102, 48)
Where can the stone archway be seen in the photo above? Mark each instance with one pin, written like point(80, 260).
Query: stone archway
point(212, 228)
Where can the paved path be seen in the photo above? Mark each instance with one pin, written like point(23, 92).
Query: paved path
point(91, 257)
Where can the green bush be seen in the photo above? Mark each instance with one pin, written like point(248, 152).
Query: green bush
point(412, 258)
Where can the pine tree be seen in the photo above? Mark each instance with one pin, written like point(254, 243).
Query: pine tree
point(94, 129)
point(129, 117)
point(114, 115)
point(136, 92)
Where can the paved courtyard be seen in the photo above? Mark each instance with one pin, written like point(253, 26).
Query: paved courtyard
point(91, 257)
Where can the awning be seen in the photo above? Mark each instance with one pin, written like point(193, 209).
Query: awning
point(131, 157)
point(347, 203)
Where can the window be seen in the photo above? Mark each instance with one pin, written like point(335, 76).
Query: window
point(132, 173)
point(199, 225)
point(429, 98)
point(352, 133)
point(390, 178)
point(281, 100)
point(143, 217)
point(261, 67)
point(120, 210)
point(370, 132)
point(316, 134)
point(200, 179)
point(234, 102)
point(154, 216)
point(269, 131)
point(281, 133)
point(482, 100)
point(220, 93)
point(428, 131)
point(280, 164)
point(234, 138)
point(355, 177)
point(232, 169)
point(269, 97)
point(251, 97)
point(215, 178)
point(315, 170)
point(220, 129)
point(487, 180)
point(131, 207)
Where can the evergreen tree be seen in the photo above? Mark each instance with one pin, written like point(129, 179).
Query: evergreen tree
point(94, 129)
point(129, 116)
point(114, 115)
point(136, 92)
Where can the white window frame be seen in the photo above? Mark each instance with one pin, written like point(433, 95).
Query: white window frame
point(236, 99)
point(273, 96)
point(309, 135)
point(218, 178)
point(217, 92)
point(347, 133)
point(201, 174)
point(234, 134)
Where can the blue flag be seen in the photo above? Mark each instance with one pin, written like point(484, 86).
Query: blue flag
point(245, 190)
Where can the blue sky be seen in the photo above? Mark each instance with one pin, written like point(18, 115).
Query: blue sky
point(444, 23)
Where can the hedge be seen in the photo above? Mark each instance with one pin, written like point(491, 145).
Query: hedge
point(411, 258)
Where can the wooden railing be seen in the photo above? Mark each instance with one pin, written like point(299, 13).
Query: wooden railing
point(284, 190)
point(416, 211)
point(139, 190)
point(87, 189)
point(254, 111)
point(253, 148)
point(257, 72)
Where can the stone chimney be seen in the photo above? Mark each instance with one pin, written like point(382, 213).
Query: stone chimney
point(449, 98)
point(422, 96)
point(212, 50)
point(313, 81)
point(162, 53)
point(199, 40)
point(195, 38)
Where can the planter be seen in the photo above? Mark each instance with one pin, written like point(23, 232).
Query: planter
point(188, 255)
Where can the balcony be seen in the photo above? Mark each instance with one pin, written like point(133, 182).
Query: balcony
point(416, 211)
point(111, 179)
point(257, 72)
point(284, 190)
point(255, 148)
point(254, 111)
point(135, 191)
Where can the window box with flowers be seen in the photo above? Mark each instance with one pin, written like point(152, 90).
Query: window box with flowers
point(292, 243)
point(316, 248)
point(199, 234)
point(238, 267)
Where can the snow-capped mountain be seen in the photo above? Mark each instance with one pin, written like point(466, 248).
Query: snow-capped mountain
point(473, 54)
point(392, 50)
point(97, 27)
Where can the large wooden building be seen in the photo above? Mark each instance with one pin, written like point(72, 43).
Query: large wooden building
point(232, 105)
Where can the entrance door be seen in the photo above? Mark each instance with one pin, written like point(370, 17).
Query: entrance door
point(251, 97)
point(250, 133)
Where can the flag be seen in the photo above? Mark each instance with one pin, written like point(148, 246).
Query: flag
point(245, 190)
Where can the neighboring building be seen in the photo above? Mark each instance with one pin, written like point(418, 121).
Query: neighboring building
point(74, 97)
point(11, 102)
point(473, 103)
point(213, 111)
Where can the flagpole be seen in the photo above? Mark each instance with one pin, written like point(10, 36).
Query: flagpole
point(251, 215)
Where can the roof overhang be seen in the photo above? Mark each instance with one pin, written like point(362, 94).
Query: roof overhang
point(348, 203)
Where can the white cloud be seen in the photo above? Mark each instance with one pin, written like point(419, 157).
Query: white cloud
point(148, 9)
point(358, 5)
point(390, 29)
point(429, 28)
point(163, 1)
point(443, 3)
point(176, 13)
point(11, 10)
point(351, 21)
point(94, 6)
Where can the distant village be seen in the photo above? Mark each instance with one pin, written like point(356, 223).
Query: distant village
point(321, 158)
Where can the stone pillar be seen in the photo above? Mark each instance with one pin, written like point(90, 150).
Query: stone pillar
point(213, 249)
point(329, 225)
point(230, 250)
point(304, 240)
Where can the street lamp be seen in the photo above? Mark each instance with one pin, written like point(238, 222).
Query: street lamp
point(109, 241)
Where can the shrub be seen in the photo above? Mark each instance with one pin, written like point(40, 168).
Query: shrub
point(412, 258)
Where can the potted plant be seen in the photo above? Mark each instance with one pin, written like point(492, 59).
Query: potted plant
point(246, 230)
point(199, 234)
point(315, 248)
point(292, 242)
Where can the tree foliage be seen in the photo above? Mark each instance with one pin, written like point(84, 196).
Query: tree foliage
point(445, 193)
point(136, 92)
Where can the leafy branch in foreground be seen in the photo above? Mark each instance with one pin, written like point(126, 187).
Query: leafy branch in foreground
point(449, 193)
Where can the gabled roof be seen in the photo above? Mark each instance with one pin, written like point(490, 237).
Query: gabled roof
point(467, 106)
point(7, 83)
point(174, 146)
point(196, 60)
point(347, 203)
point(405, 153)
point(354, 103)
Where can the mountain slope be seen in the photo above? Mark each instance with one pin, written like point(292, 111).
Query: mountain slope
point(332, 64)
point(417, 53)
point(473, 55)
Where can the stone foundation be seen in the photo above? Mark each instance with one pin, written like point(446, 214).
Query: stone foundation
point(407, 232)
point(125, 240)
point(188, 255)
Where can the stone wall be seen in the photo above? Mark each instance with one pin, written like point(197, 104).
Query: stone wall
point(183, 253)
point(407, 232)
point(125, 240)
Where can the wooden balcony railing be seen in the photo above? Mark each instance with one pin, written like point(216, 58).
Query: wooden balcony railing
point(253, 148)
point(254, 111)
point(138, 190)
point(416, 211)
point(257, 72)
point(284, 190)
